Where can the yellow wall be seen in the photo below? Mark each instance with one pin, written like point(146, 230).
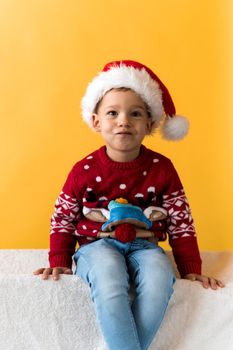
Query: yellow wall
point(50, 49)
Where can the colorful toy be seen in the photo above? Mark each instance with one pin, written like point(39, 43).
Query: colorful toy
point(125, 221)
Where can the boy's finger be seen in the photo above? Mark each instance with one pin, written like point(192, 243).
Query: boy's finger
point(213, 283)
point(56, 273)
point(46, 273)
point(205, 282)
point(220, 284)
point(39, 271)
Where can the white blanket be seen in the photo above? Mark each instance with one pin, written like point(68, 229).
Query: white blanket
point(45, 315)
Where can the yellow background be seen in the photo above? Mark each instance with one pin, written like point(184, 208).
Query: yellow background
point(49, 51)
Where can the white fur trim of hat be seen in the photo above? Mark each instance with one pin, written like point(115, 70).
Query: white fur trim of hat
point(139, 78)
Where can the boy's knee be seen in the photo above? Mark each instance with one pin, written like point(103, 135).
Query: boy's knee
point(160, 274)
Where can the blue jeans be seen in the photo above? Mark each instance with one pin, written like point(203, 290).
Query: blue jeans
point(109, 266)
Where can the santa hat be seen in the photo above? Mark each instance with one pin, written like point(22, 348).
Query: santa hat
point(147, 85)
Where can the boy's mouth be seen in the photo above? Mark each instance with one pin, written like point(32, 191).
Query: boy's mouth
point(124, 133)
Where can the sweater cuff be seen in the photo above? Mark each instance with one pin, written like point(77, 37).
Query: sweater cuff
point(60, 261)
point(189, 267)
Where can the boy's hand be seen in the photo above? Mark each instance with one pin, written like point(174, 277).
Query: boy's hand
point(207, 282)
point(55, 272)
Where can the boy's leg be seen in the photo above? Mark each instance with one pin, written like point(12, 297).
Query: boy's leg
point(103, 267)
point(153, 277)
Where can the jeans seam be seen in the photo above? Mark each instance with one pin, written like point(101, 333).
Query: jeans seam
point(135, 263)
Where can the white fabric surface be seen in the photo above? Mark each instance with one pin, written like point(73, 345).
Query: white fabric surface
point(45, 315)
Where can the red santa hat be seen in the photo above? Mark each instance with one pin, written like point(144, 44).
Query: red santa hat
point(147, 85)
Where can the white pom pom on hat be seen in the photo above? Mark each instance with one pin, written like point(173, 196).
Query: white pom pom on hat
point(139, 78)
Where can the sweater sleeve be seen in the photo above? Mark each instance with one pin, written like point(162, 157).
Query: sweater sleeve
point(180, 226)
point(63, 237)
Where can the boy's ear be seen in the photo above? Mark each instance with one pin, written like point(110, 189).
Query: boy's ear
point(95, 122)
point(149, 126)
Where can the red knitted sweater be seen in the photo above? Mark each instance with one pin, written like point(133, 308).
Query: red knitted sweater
point(149, 180)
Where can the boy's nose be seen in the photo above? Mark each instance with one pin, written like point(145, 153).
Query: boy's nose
point(123, 120)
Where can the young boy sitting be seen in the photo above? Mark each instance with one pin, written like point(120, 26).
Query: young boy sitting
point(124, 103)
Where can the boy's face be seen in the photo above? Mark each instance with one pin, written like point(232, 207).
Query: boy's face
point(123, 121)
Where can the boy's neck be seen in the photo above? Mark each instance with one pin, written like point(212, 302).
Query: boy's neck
point(121, 156)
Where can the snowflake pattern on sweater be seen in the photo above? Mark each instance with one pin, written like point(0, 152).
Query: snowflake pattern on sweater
point(150, 180)
point(65, 215)
point(180, 218)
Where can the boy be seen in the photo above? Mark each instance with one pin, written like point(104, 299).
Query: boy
point(126, 102)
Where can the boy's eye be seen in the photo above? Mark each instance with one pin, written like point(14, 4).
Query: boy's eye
point(136, 114)
point(112, 113)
